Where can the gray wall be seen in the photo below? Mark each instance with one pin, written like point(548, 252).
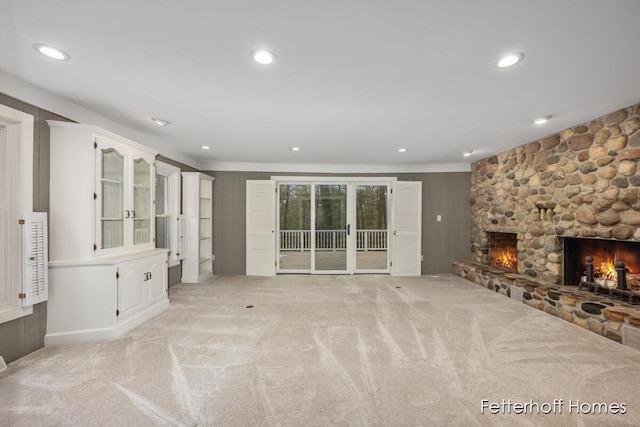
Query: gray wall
point(445, 194)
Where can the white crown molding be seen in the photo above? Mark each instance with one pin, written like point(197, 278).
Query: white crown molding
point(330, 168)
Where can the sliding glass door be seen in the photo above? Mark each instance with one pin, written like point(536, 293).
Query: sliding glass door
point(295, 228)
point(372, 228)
point(333, 227)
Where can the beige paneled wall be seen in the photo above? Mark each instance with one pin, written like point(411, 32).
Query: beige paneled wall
point(445, 194)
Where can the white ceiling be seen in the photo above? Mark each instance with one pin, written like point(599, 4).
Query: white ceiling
point(354, 80)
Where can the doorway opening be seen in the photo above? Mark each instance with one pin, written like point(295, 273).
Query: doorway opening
point(333, 227)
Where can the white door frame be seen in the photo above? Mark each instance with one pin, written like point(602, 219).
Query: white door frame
point(352, 183)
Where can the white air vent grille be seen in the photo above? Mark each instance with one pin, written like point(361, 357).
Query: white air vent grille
point(516, 293)
point(631, 336)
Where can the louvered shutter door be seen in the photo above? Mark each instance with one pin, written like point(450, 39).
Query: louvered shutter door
point(35, 274)
point(261, 211)
point(407, 214)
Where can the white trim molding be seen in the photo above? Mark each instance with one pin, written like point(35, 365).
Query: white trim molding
point(17, 129)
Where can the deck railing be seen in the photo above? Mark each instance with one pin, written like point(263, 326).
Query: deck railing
point(332, 240)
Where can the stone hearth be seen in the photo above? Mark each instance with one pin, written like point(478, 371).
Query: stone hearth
point(612, 319)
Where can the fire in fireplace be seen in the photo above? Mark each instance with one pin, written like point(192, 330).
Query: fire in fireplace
point(605, 254)
point(605, 266)
point(503, 250)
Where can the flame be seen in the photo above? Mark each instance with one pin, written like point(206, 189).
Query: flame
point(607, 268)
point(506, 259)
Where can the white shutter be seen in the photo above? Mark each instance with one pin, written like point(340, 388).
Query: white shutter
point(407, 228)
point(35, 274)
point(261, 215)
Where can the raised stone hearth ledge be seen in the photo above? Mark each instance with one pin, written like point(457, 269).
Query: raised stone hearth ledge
point(596, 313)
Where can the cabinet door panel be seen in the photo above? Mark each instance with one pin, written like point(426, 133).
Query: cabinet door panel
point(156, 281)
point(131, 289)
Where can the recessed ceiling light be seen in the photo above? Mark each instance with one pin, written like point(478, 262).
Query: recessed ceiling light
point(467, 153)
point(510, 60)
point(295, 148)
point(264, 57)
point(160, 122)
point(541, 120)
point(205, 147)
point(402, 150)
point(52, 52)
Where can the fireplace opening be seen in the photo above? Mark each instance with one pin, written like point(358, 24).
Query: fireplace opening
point(503, 251)
point(605, 254)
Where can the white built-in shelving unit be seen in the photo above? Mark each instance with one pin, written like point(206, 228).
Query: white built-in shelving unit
point(197, 193)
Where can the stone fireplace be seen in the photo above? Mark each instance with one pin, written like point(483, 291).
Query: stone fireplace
point(555, 194)
point(580, 183)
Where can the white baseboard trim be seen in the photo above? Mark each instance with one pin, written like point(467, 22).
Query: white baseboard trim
point(105, 334)
point(196, 279)
point(516, 293)
point(3, 365)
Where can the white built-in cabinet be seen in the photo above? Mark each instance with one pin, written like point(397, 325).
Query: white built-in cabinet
point(197, 193)
point(105, 274)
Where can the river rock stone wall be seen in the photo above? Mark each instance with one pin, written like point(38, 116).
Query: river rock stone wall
point(581, 182)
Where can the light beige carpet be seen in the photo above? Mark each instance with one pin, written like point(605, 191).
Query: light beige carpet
point(332, 351)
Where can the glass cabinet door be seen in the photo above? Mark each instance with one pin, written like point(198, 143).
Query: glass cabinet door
point(141, 212)
point(112, 183)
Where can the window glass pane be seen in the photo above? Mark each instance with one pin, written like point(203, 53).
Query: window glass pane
point(141, 202)
point(162, 198)
point(371, 227)
point(295, 227)
point(331, 227)
point(162, 232)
